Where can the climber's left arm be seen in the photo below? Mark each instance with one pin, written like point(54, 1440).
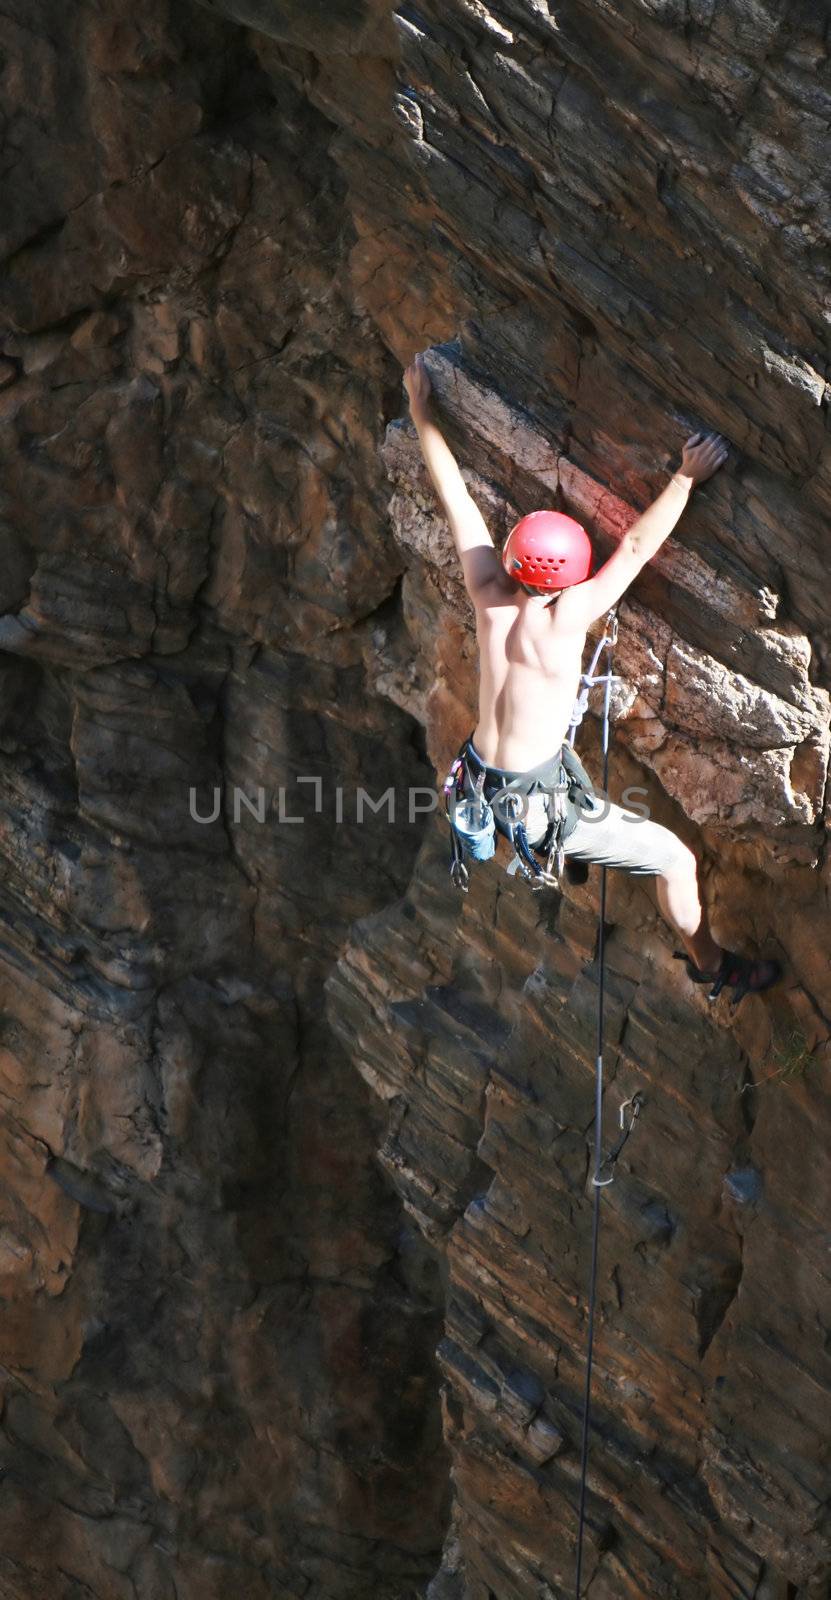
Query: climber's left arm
point(477, 552)
point(702, 456)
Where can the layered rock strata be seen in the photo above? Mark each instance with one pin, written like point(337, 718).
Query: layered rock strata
point(633, 257)
point(231, 1319)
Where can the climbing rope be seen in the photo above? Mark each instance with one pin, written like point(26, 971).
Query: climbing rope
point(608, 638)
point(601, 1163)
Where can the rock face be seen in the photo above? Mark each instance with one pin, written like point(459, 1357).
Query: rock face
point(316, 1307)
point(218, 1331)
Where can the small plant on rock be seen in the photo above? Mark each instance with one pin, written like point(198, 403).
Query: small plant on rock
point(790, 1056)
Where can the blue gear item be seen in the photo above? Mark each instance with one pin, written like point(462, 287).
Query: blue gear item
point(473, 822)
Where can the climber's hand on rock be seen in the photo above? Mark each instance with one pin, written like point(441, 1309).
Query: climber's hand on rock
point(701, 456)
point(417, 385)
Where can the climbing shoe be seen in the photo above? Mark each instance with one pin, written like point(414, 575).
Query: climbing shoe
point(742, 974)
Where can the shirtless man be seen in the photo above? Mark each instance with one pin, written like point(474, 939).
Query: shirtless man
point(531, 640)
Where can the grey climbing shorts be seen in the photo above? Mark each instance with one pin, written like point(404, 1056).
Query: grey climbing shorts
point(607, 835)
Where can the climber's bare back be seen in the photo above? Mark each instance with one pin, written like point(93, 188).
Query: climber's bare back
point(531, 652)
point(530, 660)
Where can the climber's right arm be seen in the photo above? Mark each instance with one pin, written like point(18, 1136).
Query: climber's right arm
point(586, 602)
point(477, 552)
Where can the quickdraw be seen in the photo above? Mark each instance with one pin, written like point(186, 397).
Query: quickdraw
point(627, 1125)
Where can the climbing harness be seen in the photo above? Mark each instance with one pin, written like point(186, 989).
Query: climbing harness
point(474, 816)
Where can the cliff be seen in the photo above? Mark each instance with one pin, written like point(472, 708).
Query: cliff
point(311, 1319)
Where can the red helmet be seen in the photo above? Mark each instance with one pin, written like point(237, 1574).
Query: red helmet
point(547, 550)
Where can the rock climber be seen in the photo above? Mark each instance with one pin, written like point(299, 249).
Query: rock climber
point(533, 605)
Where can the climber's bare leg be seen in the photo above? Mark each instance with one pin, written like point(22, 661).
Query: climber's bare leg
point(609, 835)
point(679, 901)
